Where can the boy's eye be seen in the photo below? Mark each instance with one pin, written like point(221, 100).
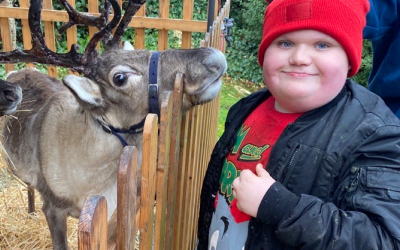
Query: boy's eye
point(285, 44)
point(322, 46)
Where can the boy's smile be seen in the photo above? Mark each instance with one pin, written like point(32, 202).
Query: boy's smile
point(299, 74)
point(304, 70)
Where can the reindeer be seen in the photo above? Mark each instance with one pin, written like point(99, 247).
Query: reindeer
point(10, 97)
point(68, 144)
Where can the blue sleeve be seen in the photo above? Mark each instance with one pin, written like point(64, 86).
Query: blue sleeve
point(383, 15)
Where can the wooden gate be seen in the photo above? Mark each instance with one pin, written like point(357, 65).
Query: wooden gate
point(175, 151)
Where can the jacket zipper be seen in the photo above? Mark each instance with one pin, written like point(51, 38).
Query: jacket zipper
point(288, 166)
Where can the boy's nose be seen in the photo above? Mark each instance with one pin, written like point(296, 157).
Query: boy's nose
point(300, 56)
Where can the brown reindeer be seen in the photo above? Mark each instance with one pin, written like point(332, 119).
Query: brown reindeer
point(68, 145)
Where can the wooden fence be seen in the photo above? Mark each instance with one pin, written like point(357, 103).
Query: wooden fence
point(175, 151)
point(172, 173)
point(140, 22)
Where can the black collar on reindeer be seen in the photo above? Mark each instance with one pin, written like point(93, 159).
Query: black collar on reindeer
point(137, 128)
point(153, 87)
point(153, 104)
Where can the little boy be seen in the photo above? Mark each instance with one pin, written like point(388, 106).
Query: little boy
point(314, 161)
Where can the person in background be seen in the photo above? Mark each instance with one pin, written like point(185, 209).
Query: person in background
point(383, 30)
point(312, 161)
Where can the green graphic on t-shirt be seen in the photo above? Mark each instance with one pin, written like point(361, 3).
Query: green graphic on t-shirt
point(229, 173)
point(240, 137)
point(231, 169)
point(251, 152)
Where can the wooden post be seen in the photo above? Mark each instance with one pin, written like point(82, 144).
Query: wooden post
point(139, 32)
point(162, 170)
point(92, 234)
point(149, 165)
point(93, 7)
point(72, 34)
point(162, 33)
point(173, 161)
point(26, 32)
point(49, 36)
point(188, 6)
point(6, 37)
point(127, 198)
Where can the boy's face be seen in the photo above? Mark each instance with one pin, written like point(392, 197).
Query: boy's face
point(304, 70)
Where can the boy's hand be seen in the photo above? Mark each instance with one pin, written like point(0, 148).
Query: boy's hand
point(249, 189)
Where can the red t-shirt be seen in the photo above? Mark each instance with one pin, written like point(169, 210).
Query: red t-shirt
point(254, 142)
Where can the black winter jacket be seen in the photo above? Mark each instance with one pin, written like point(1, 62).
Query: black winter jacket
point(338, 177)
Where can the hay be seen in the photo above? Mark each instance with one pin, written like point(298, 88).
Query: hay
point(20, 230)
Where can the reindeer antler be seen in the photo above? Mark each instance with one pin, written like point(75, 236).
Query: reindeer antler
point(40, 53)
point(133, 7)
point(76, 18)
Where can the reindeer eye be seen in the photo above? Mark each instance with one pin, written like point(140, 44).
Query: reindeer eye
point(120, 79)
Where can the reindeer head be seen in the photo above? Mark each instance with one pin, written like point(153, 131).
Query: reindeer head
point(121, 82)
point(116, 72)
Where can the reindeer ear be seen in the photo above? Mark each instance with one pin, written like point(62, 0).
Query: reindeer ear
point(85, 89)
point(128, 46)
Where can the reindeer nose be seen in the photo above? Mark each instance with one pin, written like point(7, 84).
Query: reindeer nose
point(215, 68)
point(217, 63)
point(10, 95)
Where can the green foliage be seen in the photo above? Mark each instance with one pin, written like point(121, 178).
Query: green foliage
point(366, 65)
point(175, 12)
point(246, 34)
point(231, 92)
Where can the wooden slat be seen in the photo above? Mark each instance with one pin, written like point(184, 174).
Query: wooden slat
point(92, 228)
point(149, 165)
point(72, 34)
point(112, 232)
point(49, 36)
point(93, 7)
point(169, 24)
point(162, 169)
point(127, 198)
point(173, 160)
point(201, 120)
point(206, 41)
point(6, 37)
point(181, 185)
point(137, 22)
point(139, 32)
point(194, 176)
point(26, 32)
point(188, 178)
point(163, 33)
point(187, 14)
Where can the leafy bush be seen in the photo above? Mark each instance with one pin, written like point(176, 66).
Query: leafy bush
point(366, 65)
point(247, 31)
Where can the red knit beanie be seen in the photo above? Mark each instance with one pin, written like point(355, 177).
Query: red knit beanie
point(343, 20)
